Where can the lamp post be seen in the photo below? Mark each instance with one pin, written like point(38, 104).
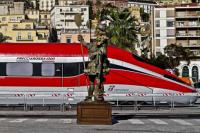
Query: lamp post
point(78, 21)
point(90, 29)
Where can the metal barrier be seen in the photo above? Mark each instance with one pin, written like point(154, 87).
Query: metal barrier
point(63, 98)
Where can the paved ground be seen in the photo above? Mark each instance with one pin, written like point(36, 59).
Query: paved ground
point(62, 125)
point(177, 120)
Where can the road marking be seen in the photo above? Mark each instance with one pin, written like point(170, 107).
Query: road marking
point(136, 121)
point(2, 119)
point(66, 121)
point(158, 121)
point(182, 122)
point(18, 121)
point(41, 120)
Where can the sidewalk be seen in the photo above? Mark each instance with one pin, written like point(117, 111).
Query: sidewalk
point(179, 111)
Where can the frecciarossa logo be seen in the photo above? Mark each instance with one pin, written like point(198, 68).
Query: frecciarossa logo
point(35, 59)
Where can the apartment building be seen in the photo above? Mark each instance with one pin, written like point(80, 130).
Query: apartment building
point(188, 26)
point(179, 25)
point(17, 8)
point(147, 5)
point(62, 17)
point(45, 18)
point(164, 29)
point(24, 31)
point(174, 2)
point(188, 35)
point(72, 36)
point(46, 5)
point(32, 14)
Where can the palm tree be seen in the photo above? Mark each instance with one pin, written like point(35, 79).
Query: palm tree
point(122, 29)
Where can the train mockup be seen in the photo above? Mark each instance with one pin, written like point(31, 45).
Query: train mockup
point(56, 67)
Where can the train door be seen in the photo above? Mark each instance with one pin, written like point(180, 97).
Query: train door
point(71, 74)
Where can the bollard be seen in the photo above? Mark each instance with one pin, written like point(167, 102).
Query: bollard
point(135, 107)
point(25, 104)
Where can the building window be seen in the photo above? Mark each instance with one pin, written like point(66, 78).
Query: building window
point(48, 69)
point(157, 42)
point(185, 71)
point(15, 26)
point(157, 14)
point(157, 23)
point(28, 26)
point(19, 36)
point(170, 32)
point(170, 13)
point(170, 23)
point(67, 23)
point(68, 40)
point(181, 24)
point(29, 36)
point(83, 9)
point(19, 69)
point(195, 74)
point(4, 19)
point(157, 33)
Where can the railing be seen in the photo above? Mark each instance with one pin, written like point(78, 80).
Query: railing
point(188, 25)
point(66, 98)
point(187, 35)
point(184, 15)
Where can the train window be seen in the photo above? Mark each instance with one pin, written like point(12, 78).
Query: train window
point(48, 69)
point(82, 66)
point(2, 69)
point(19, 69)
point(71, 69)
point(58, 69)
point(36, 69)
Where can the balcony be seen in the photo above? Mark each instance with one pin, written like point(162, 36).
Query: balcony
point(185, 36)
point(189, 45)
point(187, 15)
point(186, 25)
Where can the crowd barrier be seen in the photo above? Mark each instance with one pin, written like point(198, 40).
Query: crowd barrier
point(63, 98)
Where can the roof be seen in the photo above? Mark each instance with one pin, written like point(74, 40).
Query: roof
point(70, 50)
point(143, 1)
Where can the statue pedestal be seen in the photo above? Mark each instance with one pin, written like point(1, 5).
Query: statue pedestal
point(94, 113)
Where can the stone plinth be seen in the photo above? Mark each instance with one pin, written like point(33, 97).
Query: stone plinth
point(94, 113)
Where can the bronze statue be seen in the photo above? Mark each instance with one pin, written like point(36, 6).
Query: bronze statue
point(97, 66)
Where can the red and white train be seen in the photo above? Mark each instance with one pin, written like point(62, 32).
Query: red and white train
point(59, 68)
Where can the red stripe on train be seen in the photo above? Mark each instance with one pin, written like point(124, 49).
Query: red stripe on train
point(114, 77)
